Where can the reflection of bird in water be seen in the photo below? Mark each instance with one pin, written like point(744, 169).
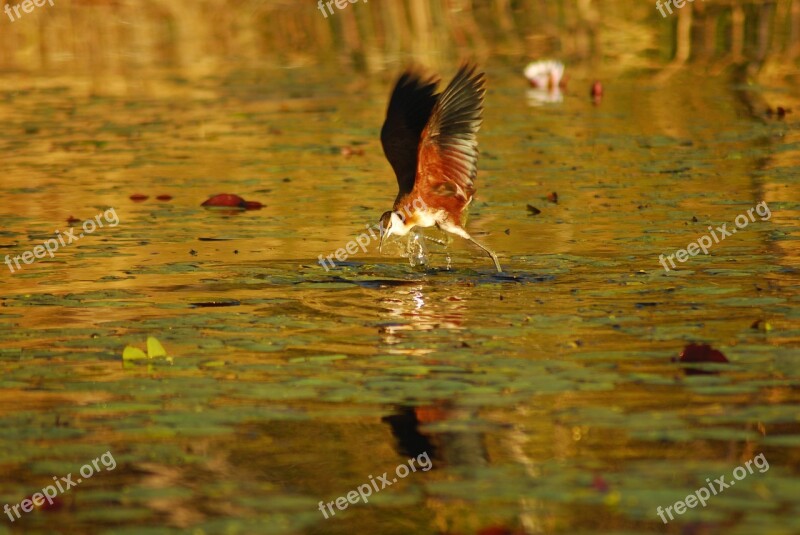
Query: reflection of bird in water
point(405, 429)
point(431, 142)
point(464, 450)
point(547, 80)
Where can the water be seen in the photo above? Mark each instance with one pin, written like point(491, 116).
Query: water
point(545, 397)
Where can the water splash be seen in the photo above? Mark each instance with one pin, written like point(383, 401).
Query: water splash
point(416, 251)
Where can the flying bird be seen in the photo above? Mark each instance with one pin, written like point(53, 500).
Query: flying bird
point(430, 140)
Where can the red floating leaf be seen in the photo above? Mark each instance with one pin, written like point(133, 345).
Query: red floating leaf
point(253, 205)
point(226, 200)
point(72, 219)
point(57, 504)
point(164, 197)
point(600, 484)
point(46, 505)
point(497, 530)
point(597, 90)
point(553, 197)
point(138, 197)
point(694, 353)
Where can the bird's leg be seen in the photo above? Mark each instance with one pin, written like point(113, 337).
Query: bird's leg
point(457, 230)
point(490, 253)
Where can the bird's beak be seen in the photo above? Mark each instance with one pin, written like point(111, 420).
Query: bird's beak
point(384, 234)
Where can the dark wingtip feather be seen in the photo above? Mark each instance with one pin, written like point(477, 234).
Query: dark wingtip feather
point(410, 106)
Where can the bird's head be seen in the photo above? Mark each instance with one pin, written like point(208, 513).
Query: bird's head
point(392, 224)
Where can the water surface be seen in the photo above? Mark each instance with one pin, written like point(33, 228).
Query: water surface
point(547, 398)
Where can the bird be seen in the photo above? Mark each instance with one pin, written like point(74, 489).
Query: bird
point(430, 140)
point(547, 79)
point(546, 74)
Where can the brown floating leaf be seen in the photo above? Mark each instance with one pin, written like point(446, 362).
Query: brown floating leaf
point(138, 197)
point(553, 197)
point(780, 111)
point(164, 197)
point(533, 210)
point(253, 205)
point(207, 304)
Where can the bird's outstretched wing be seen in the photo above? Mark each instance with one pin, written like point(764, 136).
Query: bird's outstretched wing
point(448, 151)
point(410, 107)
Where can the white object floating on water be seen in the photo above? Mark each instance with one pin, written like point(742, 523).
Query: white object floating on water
point(545, 74)
point(546, 78)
